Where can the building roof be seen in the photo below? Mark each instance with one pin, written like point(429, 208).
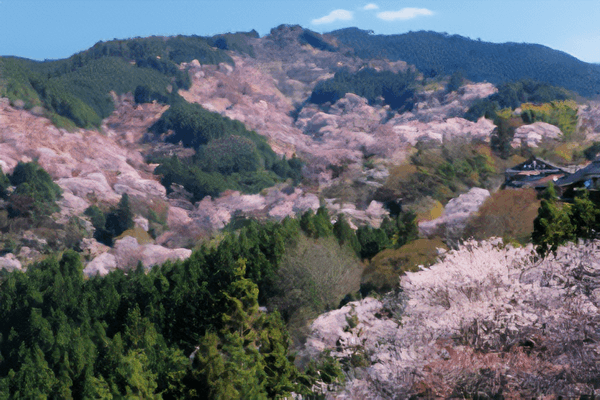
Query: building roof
point(589, 172)
point(535, 166)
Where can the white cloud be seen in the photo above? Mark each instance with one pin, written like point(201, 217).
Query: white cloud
point(335, 15)
point(371, 6)
point(404, 14)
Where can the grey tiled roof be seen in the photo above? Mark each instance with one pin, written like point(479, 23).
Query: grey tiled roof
point(591, 171)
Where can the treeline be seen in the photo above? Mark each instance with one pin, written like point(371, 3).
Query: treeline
point(439, 54)
point(228, 156)
point(186, 329)
point(396, 89)
point(512, 95)
point(76, 90)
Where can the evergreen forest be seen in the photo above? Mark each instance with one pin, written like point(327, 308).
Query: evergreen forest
point(396, 89)
point(187, 329)
point(440, 54)
point(228, 156)
point(75, 91)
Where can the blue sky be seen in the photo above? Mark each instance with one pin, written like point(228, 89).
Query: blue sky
point(58, 28)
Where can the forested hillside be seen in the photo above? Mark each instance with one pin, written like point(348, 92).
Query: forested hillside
point(189, 329)
point(177, 214)
point(228, 156)
point(442, 54)
point(76, 90)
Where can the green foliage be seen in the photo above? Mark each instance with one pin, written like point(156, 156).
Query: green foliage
point(345, 234)
point(552, 227)
point(562, 114)
point(15, 75)
point(78, 88)
point(113, 223)
point(316, 225)
point(145, 94)
point(121, 219)
point(35, 193)
point(585, 217)
point(513, 94)
point(4, 184)
point(247, 358)
point(383, 272)
point(97, 217)
point(455, 81)
point(397, 89)
point(228, 156)
point(234, 41)
point(133, 335)
point(371, 240)
point(502, 135)
point(127, 336)
point(437, 54)
point(443, 173)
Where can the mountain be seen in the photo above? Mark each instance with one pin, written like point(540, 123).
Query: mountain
point(436, 53)
point(156, 191)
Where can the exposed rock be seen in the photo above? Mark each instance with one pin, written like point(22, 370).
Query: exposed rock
point(9, 262)
point(532, 135)
point(455, 216)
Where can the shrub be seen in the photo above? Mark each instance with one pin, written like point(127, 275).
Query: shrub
point(443, 173)
point(383, 272)
point(313, 276)
point(508, 214)
point(35, 193)
point(562, 114)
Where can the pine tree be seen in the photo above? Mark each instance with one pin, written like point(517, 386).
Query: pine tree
point(551, 228)
point(247, 358)
point(345, 234)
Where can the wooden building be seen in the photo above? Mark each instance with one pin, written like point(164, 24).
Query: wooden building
point(587, 178)
point(533, 173)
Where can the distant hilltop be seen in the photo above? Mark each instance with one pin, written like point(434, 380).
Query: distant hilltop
point(434, 53)
point(76, 90)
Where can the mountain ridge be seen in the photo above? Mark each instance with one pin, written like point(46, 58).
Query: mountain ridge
point(478, 59)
